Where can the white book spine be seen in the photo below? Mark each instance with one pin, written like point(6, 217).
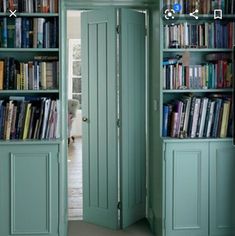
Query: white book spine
point(45, 117)
point(186, 42)
point(186, 120)
point(195, 117)
point(203, 118)
point(211, 117)
point(4, 5)
point(18, 34)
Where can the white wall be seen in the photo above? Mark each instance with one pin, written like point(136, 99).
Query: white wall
point(74, 32)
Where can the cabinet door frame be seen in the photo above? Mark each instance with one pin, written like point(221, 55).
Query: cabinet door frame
point(30, 179)
point(222, 175)
point(193, 155)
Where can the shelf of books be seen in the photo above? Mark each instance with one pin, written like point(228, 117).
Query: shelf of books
point(29, 72)
point(196, 72)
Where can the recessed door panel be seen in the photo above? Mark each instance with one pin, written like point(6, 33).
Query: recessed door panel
point(186, 189)
point(100, 183)
point(132, 113)
point(29, 190)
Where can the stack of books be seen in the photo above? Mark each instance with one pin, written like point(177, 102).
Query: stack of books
point(30, 6)
point(204, 7)
point(207, 35)
point(214, 75)
point(24, 32)
point(35, 118)
point(41, 73)
point(198, 117)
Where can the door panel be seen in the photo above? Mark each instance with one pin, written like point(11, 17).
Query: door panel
point(132, 108)
point(222, 191)
point(187, 189)
point(29, 190)
point(100, 188)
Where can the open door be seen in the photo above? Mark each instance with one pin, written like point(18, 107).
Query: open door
point(99, 90)
point(100, 116)
point(133, 113)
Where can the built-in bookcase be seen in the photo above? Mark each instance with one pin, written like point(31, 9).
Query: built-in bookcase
point(187, 157)
point(29, 71)
point(196, 72)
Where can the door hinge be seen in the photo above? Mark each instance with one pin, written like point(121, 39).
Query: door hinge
point(164, 223)
point(119, 205)
point(118, 29)
point(146, 31)
point(118, 123)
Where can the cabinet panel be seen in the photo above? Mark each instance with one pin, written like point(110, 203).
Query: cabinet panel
point(29, 177)
point(187, 189)
point(222, 190)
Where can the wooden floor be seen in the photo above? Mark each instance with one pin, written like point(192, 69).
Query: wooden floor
point(81, 228)
point(75, 180)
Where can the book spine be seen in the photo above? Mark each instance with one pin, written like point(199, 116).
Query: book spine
point(216, 119)
point(165, 121)
point(174, 121)
point(195, 117)
point(210, 121)
point(225, 119)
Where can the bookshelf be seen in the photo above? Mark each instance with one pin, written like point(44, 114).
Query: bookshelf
point(29, 68)
point(188, 172)
point(195, 75)
point(30, 133)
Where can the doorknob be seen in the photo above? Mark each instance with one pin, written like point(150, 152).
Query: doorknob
point(84, 119)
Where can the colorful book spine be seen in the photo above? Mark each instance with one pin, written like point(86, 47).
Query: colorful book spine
point(198, 117)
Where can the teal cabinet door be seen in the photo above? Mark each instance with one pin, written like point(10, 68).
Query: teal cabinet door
point(29, 190)
point(186, 189)
point(222, 189)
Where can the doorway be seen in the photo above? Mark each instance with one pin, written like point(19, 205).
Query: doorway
point(75, 187)
point(114, 116)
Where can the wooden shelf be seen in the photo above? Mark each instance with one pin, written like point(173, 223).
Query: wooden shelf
point(176, 140)
point(29, 91)
point(31, 142)
point(198, 91)
point(25, 14)
point(198, 50)
point(29, 50)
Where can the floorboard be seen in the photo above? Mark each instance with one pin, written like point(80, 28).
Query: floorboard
point(81, 228)
point(75, 180)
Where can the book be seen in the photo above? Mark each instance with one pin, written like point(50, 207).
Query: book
point(27, 32)
point(32, 75)
point(165, 120)
point(26, 121)
point(202, 117)
point(225, 119)
point(1, 74)
point(30, 6)
point(199, 35)
point(29, 118)
point(208, 75)
point(198, 117)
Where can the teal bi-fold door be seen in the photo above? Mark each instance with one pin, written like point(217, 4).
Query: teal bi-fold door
point(107, 56)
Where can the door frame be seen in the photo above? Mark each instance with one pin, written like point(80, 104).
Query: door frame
point(79, 6)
